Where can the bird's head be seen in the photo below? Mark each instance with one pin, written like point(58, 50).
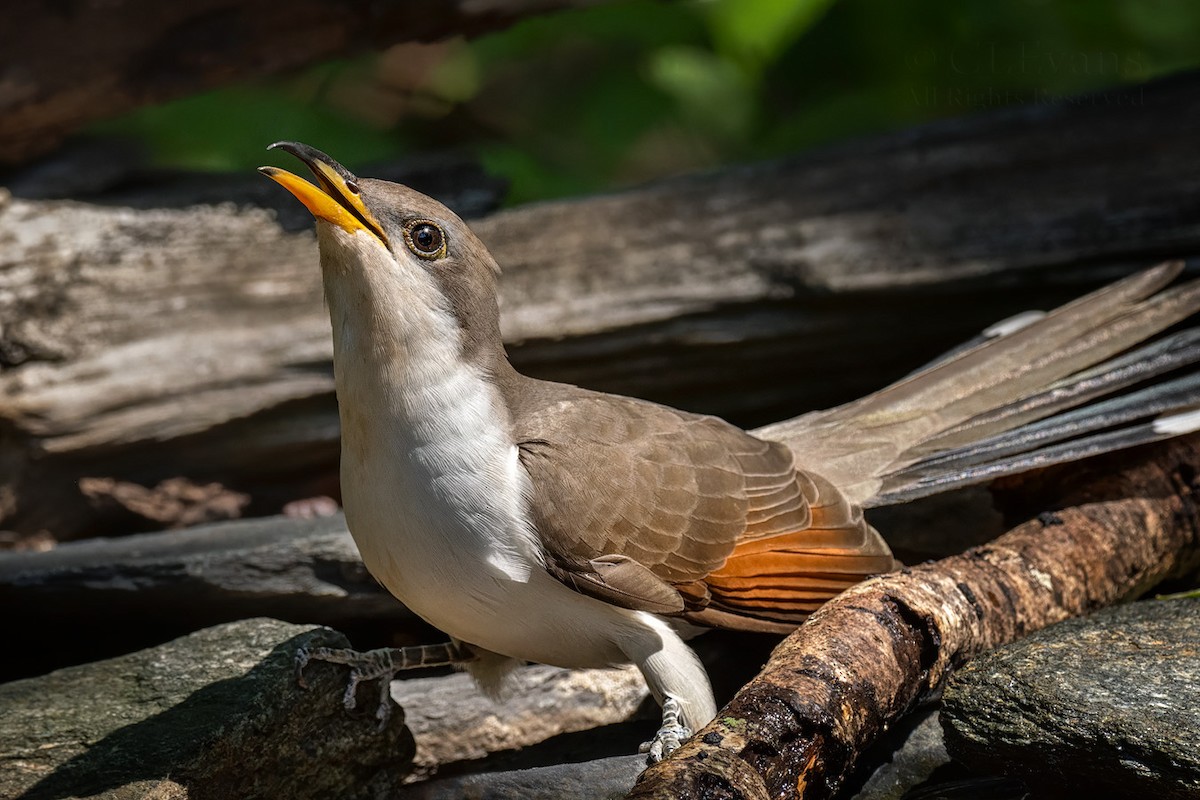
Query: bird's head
point(399, 267)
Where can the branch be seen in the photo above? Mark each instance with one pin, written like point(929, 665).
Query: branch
point(872, 654)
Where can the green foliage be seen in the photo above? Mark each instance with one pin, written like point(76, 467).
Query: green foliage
point(623, 92)
point(229, 129)
point(754, 33)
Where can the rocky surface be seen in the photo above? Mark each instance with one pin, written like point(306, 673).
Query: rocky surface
point(602, 779)
point(1108, 704)
point(452, 721)
point(921, 750)
point(216, 714)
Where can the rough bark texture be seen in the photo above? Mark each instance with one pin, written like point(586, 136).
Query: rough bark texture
point(869, 656)
point(65, 64)
point(152, 339)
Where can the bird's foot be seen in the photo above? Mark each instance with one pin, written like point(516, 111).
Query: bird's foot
point(669, 737)
point(381, 665)
point(364, 666)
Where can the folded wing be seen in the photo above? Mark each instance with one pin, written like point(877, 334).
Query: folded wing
point(659, 510)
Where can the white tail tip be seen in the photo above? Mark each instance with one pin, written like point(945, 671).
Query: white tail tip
point(1013, 324)
point(1178, 423)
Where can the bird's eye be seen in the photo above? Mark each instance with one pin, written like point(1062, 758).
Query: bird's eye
point(425, 239)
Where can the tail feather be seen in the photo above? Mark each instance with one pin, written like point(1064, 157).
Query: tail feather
point(1097, 344)
point(1064, 453)
point(968, 380)
point(1151, 361)
point(1002, 328)
point(1169, 398)
point(926, 432)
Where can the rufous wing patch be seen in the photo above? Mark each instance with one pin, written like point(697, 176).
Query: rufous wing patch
point(782, 578)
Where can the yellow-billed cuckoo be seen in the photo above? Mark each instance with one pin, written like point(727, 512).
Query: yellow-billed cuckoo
point(537, 521)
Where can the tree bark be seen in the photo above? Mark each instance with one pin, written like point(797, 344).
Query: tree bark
point(147, 337)
point(65, 65)
point(872, 654)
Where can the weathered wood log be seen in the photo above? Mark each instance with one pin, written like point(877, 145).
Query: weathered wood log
point(151, 343)
point(132, 592)
point(876, 651)
point(67, 65)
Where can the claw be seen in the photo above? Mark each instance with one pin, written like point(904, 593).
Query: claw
point(381, 665)
point(665, 742)
point(669, 737)
point(368, 666)
point(301, 660)
point(350, 696)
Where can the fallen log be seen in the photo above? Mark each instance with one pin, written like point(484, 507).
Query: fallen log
point(153, 339)
point(829, 690)
point(130, 592)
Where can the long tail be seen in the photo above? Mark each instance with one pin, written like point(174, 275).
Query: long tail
point(1030, 393)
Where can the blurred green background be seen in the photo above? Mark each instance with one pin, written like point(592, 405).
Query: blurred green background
point(589, 100)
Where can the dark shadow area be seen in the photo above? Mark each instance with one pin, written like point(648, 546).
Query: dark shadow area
point(884, 751)
point(955, 782)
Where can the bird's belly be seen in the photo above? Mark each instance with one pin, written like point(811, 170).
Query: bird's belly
point(435, 497)
point(445, 577)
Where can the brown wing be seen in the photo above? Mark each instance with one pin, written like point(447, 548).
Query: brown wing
point(655, 509)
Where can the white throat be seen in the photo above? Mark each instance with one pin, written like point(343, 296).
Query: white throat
point(432, 485)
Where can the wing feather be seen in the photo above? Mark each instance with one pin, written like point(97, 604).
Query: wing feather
point(675, 513)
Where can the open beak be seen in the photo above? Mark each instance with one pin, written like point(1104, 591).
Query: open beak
point(336, 200)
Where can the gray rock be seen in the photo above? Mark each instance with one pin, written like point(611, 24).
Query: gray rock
point(452, 721)
point(1108, 704)
point(922, 751)
point(216, 714)
point(603, 779)
point(137, 591)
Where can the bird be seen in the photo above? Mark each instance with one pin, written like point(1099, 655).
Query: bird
point(533, 521)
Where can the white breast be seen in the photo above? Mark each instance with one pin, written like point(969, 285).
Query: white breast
point(433, 488)
point(436, 499)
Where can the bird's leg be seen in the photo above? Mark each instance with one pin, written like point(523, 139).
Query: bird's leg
point(676, 679)
point(381, 665)
point(670, 736)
